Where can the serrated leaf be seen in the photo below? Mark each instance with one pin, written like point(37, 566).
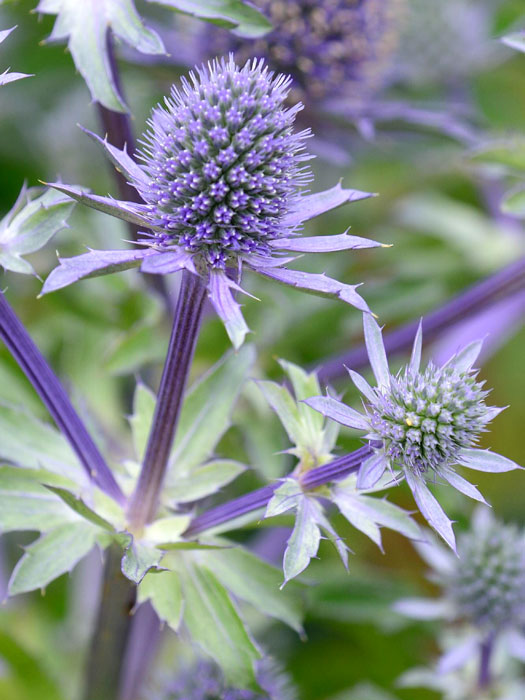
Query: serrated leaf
point(203, 481)
point(167, 530)
point(35, 218)
point(54, 554)
point(7, 77)
point(164, 590)
point(285, 498)
point(143, 409)
point(214, 624)
point(78, 506)
point(286, 408)
point(138, 559)
point(305, 385)
point(241, 16)
point(85, 25)
point(27, 505)
point(256, 582)
point(206, 412)
point(304, 540)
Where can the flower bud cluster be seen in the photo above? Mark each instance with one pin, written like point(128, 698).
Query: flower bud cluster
point(424, 419)
point(223, 163)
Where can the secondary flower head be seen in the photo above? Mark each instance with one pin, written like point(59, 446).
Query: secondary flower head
point(331, 48)
point(221, 183)
point(422, 423)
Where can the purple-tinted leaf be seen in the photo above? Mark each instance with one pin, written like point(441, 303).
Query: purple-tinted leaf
point(435, 555)
point(458, 656)
point(430, 508)
point(415, 358)
point(357, 515)
point(312, 205)
point(7, 77)
point(376, 350)
point(316, 284)
point(363, 386)
point(120, 159)
point(371, 471)
point(464, 360)
point(332, 535)
point(228, 310)
point(423, 608)
point(461, 484)
point(92, 264)
point(338, 411)
point(486, 461)
point(324, 244)
point(164, 263)
point(127, 211)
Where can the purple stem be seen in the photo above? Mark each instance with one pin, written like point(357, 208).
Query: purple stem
point(485, 676)
point(53, 395)
point(188, 313)
point(502, 284)
point(338, 469)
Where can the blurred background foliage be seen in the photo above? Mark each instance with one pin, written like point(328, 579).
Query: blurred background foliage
point(438, 210)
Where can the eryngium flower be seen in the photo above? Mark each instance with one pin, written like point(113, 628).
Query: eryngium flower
point(331, 48)
point(483, 588)
point(221, 184)
point(488, 585)
point(424, 423)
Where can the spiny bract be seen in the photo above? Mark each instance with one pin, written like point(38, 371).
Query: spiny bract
point(224, 165)
point(425, 418)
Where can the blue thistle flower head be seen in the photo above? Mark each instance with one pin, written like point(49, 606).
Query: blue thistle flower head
point(223, 163)
point(421, 423)
point(331, 48)
point(221, 183)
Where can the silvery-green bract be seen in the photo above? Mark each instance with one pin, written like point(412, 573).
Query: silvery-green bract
point(421, 422)
point(221, 184)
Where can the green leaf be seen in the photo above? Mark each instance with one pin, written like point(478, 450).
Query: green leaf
point(78, 506)
point(31, 223)
point(32, 444)
point(304, 540)
point(140, 345)
point(27, 505)
point(285, 498)
point(167, 530)
point(509, 153)
point(286, 408)
point(514, 203)
point(164, 590)
point(85, 25)
point(206, 412)
point(241, 16)
point(138, 559)
point(215, 625)
point(204, 480)
point(54, 554)
point(143, 408)
point(256, 582)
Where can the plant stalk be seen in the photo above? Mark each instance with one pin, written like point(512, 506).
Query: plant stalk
point(485, 676)
point(188, 313)
point(113, 625)
point(53, 395)
point(504, 283)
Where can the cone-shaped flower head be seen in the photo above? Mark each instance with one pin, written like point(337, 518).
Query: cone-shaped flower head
point(223, 162)
point(221, 183)
point(331, 48)
point(421, 422)
point(488, 584)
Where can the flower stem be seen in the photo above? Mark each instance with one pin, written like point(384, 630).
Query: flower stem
point(188, 313)
point(53, 395)
point(112, 629)
point(485, 676)
point(337, 469)
point(504, 283)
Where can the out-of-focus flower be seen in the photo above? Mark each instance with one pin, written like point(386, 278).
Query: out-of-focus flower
point(425, 422)
point(221, 180)
point(484, 591)
point(7, 77)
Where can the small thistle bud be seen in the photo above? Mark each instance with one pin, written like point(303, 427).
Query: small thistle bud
point(424, 419)
point(332, 49)
point(489, 582)
point(224, 165)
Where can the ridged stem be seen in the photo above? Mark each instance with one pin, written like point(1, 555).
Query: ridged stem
point(112, 629)
point(53, 395)
point(337, 469)
point(502, 284)
point(485, 676)
point(188, 313)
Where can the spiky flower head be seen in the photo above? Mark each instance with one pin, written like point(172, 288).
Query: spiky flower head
point(421, 423)
point(488, 584)
point(424, 418)
point(331, 48)
point(223, 163)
